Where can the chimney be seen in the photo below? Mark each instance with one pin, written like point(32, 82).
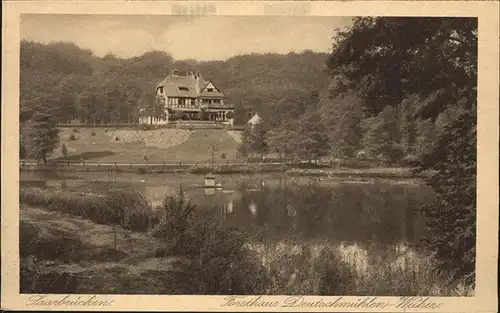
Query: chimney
point(197, 82)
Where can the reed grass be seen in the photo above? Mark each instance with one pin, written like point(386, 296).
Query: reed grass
point(329, 269)
point(124, 207)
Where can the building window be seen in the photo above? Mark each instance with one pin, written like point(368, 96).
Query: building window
point(210, 89)
point(183, 89)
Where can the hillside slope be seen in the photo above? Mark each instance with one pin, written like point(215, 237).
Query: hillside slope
point(160, 146)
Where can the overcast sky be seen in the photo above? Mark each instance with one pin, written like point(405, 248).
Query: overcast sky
point(201, 38)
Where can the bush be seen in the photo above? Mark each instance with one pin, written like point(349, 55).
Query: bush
point(305, 272)
point(142, 170)
point(145, 127)
point(117, 138)
point(35, 278)
point(75, 130)
point(223, 156)
point(220, 262)
point(92, 134)
point(72, 137)
point(105, 130)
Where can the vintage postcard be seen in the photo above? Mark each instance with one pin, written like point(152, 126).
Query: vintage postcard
point(250, 156)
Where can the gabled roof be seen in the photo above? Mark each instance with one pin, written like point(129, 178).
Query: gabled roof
point(204, 93)
point(256, 119)
point(172, 83)
point(195, 86)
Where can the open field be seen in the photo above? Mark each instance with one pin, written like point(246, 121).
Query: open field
point(159, 145)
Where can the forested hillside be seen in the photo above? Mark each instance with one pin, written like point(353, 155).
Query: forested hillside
point(77, 84)
point(352, 103)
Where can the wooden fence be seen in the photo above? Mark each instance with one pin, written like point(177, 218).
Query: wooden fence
point(182, 125)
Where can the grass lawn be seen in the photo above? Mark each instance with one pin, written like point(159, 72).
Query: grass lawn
point(161, 145)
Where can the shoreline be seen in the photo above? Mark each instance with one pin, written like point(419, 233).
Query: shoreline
point(227, 169)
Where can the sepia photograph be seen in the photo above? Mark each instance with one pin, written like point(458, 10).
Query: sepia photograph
point(329, 160)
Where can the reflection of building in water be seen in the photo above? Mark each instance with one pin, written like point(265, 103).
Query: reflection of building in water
point(253, 208)
point(226, 209)
point(209, 191)
point(210, 180)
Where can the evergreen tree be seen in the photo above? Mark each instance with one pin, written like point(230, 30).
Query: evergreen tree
point(64, 150)
point(41, 135)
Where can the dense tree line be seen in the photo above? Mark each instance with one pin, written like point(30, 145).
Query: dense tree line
point(401, 90)
point(416, 79)
point(109, 89)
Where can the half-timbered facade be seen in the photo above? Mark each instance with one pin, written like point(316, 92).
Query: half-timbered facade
point(188, 96)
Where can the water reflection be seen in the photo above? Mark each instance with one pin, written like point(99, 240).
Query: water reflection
point(253, 209)
point(209, 191)
point(378, 213)
point(274, 208)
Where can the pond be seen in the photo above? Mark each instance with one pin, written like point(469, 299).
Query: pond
point(272, 207)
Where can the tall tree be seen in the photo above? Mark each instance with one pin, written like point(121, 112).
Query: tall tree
point(388, 59)
point(255, 140)
point(313, 139)
point(381, 136)
point(40, 135)
point(342, 116)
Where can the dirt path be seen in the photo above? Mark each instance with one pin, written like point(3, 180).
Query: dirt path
point(236, 135)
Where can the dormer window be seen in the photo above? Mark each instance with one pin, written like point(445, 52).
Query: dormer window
point(160, 90)
point(183, 89)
